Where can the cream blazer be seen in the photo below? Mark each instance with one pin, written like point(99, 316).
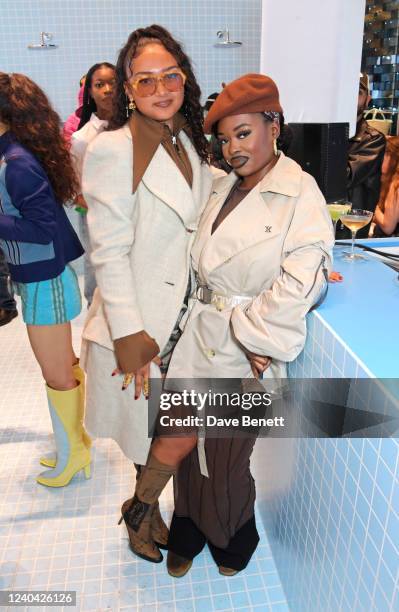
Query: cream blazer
point(271, 250)
point(141, 242)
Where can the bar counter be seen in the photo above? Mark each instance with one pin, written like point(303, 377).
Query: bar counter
point(330, 505)
point(363, 310)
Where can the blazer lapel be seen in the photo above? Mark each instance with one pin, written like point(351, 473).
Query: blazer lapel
point(249, 223)
point(202, 178)
point(209, 215)
point(167, 183)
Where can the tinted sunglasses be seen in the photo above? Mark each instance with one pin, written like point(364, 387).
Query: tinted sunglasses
point(172, 80)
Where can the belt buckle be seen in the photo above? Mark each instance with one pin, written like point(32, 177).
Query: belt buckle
point(204, 294)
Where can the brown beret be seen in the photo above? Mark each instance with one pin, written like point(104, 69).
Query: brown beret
point(251, 93)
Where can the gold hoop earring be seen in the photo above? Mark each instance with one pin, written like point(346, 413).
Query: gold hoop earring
point(275, 146)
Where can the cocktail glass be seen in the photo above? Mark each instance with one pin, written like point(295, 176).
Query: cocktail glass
point(354, 220)
point(336, 210)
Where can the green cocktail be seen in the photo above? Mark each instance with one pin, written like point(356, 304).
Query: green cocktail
point(336, 211)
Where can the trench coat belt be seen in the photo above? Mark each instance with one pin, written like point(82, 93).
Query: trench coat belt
point(219, 300)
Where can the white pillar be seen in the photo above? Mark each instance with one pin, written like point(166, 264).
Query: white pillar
point(312, 49)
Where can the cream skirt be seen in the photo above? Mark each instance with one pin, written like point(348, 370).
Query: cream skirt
point(111, 412)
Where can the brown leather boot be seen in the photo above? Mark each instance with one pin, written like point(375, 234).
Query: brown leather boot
point(159, 530)
point(137, 517)
point(137, 513)
point(177, 566)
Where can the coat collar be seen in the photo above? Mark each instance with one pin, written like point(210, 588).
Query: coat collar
point(284, 178)
point(147, 135)
point(252, 221)
point(97, 122)
point(167, 183)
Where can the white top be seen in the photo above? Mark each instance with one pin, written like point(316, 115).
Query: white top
point(82, 138)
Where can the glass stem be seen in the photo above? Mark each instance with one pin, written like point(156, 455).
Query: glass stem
point(353, 244)
point(335, 228)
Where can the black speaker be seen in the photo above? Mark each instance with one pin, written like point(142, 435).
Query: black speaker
point(322, 150)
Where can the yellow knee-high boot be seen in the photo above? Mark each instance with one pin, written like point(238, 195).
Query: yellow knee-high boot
point(72, 453)
point(51, 460)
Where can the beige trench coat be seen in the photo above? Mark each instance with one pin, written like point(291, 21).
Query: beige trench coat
point(141, 246)
point(271, 251)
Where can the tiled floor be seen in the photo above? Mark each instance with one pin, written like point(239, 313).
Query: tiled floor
point(53, 539)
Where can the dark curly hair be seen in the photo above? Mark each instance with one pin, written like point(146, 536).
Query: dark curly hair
point(285, 138)
point(89, 106)
point(24, 107)
point(191, 107)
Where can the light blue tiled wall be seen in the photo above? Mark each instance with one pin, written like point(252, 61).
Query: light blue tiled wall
point(325, 355)
point(331, 506)
point(333, 533)
point(88, 31)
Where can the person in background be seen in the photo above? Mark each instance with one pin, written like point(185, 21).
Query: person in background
point(365, 156)
point(386, 217)
point(8, 306)
point(36, 179)
point(72, 123)
point(261, 258)
point(146, 182)
point(95, 114)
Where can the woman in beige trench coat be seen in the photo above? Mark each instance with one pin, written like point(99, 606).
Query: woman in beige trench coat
point(261, 256)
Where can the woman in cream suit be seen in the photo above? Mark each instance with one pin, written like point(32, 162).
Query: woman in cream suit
point(146, 182)
point(261, 256)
